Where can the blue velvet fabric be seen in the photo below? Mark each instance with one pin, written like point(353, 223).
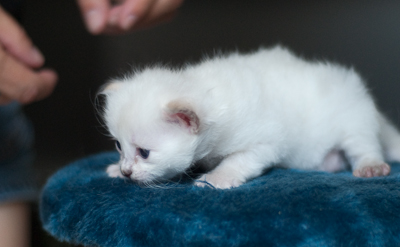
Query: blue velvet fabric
point(80, 204)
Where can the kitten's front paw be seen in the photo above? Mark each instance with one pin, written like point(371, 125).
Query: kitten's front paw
point(114, 171)
point(218, 181)
point(372, 170)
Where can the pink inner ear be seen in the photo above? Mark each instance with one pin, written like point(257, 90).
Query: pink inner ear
point(184, 117)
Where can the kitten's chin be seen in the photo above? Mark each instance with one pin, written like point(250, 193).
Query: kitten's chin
point(145, 178)
point(155, 181)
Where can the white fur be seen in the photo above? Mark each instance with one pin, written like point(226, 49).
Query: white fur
point(255, 111)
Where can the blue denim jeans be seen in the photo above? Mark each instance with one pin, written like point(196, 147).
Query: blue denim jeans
point(17, 179)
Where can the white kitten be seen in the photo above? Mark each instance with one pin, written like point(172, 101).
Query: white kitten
point(251, 111)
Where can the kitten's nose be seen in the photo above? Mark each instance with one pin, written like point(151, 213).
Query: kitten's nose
point(126, 173)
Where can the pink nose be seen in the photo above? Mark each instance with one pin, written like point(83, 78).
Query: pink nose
point(126, 173)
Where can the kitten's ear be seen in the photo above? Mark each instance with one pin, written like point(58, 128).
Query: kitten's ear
point(110, 87)
point(180, 112)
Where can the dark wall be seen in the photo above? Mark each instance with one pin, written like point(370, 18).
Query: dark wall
point(364, 34)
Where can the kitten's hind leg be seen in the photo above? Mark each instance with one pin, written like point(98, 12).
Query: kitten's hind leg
point(237, 168)
point(365, 155)
point(390, 139)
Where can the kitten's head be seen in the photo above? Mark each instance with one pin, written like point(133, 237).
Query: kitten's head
point(156, 136)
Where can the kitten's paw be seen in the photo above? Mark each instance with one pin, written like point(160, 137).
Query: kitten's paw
point(372, 170)
point(114, 171)
point(217, 181)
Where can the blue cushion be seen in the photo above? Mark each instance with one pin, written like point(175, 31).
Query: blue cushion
point(81, 204)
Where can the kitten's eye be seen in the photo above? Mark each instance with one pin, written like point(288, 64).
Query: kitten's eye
point(144, 153)
point(118, 146)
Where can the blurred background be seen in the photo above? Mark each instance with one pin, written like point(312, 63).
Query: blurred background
point(363, 34)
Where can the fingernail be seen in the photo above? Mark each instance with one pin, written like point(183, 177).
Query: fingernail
point(94, 21)
point(37, 56)
point(128, 22)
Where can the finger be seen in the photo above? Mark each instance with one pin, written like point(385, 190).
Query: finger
point(115, 12)
point(141, 25)
point(13, 38)
point(132, 11)
point(95, 14)
point(20, 83)
point(161, 10)
point(48, 80)
point(147, 23)
point(154, 13)
point(4, 100)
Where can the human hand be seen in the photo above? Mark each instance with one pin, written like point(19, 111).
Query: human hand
point(19, 59)
point(121, 16)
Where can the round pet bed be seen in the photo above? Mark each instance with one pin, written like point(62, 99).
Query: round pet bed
point(80, 204)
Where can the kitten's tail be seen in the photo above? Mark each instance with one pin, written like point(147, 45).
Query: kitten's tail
point(390, 139)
